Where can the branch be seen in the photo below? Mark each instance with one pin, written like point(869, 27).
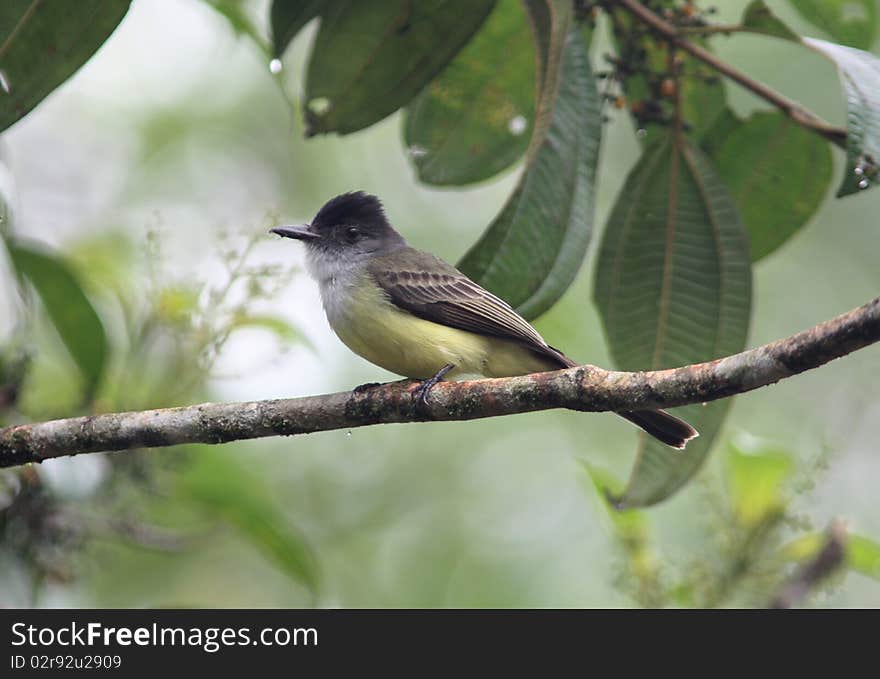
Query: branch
point(793, 110)
point(813, 573)
point(584, 388)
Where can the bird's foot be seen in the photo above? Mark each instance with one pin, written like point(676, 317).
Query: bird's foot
point(424, 389)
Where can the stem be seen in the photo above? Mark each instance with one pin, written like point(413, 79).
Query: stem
point(742, 560)
point(793, 110)
point(583, 388)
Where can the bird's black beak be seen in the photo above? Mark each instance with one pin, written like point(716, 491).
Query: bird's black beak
point(298, 232)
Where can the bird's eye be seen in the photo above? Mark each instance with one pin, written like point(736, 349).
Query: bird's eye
point(352, 233)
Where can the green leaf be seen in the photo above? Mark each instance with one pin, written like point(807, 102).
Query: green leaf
point(863, 556)
point(630, 526)
point(475, 118)
point(283, 330)
point(43, 43)
point(855, 23)
point(226, 490)
point(5, 208)
point(238, 14)
point(803, 547)
point(860, 73)
point(703, 96)
point(767, 161)
point(288, 17)
point(759, 19)
point(67, 306)
point(673, 287)
point(852, 22)
point(632, 531)
point(371, 58)
point(756, 482)
point(532, 250)
point(176, 304)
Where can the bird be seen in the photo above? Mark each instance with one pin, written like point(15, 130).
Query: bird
point(415, 315)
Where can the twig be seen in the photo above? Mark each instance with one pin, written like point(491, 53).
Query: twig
point(148, 536)
point(818, 569)
point(710, 29)
point(584, 388)
point(793, 110)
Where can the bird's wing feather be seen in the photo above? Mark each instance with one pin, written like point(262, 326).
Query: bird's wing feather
point(431, 289)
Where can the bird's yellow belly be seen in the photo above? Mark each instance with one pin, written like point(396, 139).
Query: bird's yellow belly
point(413, 347)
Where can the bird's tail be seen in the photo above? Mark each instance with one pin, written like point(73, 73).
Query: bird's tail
point(658, 423)
point(662, 426)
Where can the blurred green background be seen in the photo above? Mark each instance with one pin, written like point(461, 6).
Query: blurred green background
point(166, 159)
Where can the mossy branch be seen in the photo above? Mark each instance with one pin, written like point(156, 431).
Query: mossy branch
point(584, 388)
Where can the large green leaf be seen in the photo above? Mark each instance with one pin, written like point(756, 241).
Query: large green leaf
point(224, 488)
point(288, 17)
point(673, 287)
point(42, 43)
point(531, 252)
point(67, 306)
point(475, 118)
point(860, 73)
point(852, 22)
point(768, 161)
point(371, 58)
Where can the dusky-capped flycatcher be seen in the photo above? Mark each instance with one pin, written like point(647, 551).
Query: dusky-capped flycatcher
point(415, 315)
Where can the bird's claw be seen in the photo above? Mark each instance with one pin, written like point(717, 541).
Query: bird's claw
point(422, 392)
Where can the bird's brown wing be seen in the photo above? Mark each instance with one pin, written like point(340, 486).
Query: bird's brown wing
point(429, 288)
